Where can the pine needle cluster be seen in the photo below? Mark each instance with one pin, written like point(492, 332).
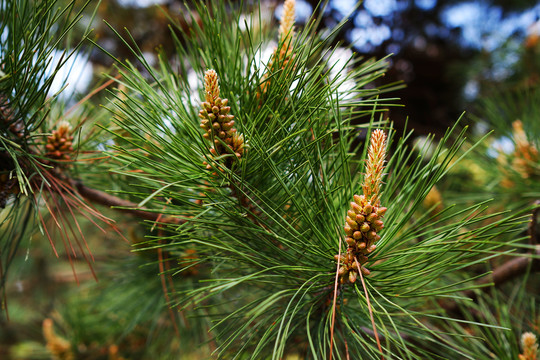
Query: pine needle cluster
point(37, 147)
point(267, 226)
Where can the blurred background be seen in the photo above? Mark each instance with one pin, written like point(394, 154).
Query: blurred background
point(448, 53)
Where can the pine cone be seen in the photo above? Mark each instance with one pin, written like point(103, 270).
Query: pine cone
point(364, 217)
point(218, 124)
point(60, 143)
point(284, 54)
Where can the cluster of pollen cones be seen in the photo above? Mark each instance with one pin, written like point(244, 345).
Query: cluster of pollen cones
point(364, 217)
point(60, 143)
point(217, 123)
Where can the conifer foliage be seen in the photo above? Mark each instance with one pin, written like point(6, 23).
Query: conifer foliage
point(255, 204)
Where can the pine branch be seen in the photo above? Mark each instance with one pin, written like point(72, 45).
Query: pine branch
point(509, 270)
point(102, 198)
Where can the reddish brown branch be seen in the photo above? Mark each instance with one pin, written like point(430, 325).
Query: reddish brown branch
point(103, 198)
point(510, 269)
point(500, 275)
point(518, 266)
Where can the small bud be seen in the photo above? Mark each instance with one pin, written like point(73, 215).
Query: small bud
point(359, 199)
point(360, 218)
point(371, 248)
point(365, 227)
point(352, 215)
point(365, 271)
point(357, 208)
point(227, 125)
point(378, 225)
point(372, 217)
point(381, 211)
point(351, 222)
point(357, 235)
point(368, 209)
point(348, 229)
point(352, 276)
point(350, 241)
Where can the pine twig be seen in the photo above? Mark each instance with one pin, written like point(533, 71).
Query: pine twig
point(103, 198)
point(510, 269)
point(500, 275)
point(518, 266)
